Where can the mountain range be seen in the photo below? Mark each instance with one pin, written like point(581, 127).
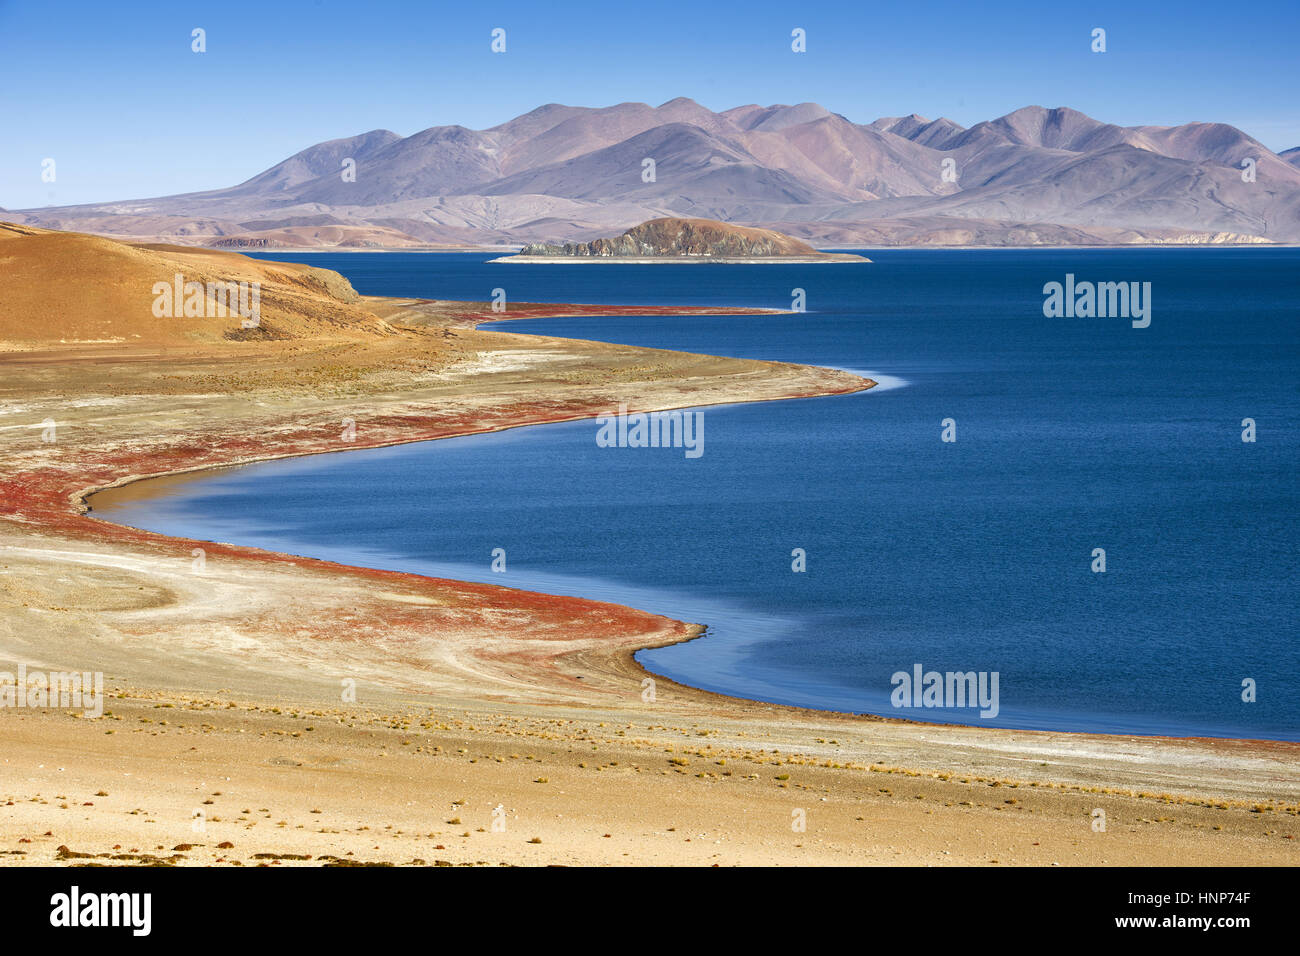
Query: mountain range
point(565, 173)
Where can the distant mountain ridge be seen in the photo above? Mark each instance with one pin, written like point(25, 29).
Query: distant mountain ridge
point(564, 173)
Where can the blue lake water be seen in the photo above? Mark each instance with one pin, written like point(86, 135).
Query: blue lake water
point(975, 555)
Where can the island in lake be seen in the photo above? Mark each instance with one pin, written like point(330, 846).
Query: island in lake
point(683, 240)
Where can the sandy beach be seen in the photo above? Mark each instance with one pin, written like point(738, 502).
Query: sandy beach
point(266, 709)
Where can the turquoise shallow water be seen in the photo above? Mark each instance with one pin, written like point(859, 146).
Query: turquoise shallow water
point(1072, 434)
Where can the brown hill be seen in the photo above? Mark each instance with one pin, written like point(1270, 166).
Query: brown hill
point(672, 237)
point(62, 287)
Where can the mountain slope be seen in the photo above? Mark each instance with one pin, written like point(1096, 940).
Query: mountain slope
point(67, 287)
point(575, 173)
point(323, 159)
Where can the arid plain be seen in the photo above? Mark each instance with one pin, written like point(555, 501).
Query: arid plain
point(489, 725)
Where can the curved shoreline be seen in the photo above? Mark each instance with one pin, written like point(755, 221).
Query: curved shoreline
point(223, 665)
point(81, 501)
point(776, 381)
point(627, 656)
point(458, 681)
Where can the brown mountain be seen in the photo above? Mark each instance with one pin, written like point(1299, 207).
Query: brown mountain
point(563, 173)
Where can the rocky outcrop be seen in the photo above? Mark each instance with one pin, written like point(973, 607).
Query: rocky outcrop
point(659, 238)
point(245, 242)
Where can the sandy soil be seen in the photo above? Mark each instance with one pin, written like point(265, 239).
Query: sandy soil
point(267, 709)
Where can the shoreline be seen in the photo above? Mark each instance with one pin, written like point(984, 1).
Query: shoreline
point(456, 703)
point(82, 502)
point(628, 656)
point(78, 497)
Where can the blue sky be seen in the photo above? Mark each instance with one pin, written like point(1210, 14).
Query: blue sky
point(114, 94)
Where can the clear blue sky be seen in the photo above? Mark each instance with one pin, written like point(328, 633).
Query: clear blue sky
point(113, 93)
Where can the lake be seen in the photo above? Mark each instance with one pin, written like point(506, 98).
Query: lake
point(976, 555)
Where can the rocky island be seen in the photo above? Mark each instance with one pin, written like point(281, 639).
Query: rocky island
point(683, 240)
